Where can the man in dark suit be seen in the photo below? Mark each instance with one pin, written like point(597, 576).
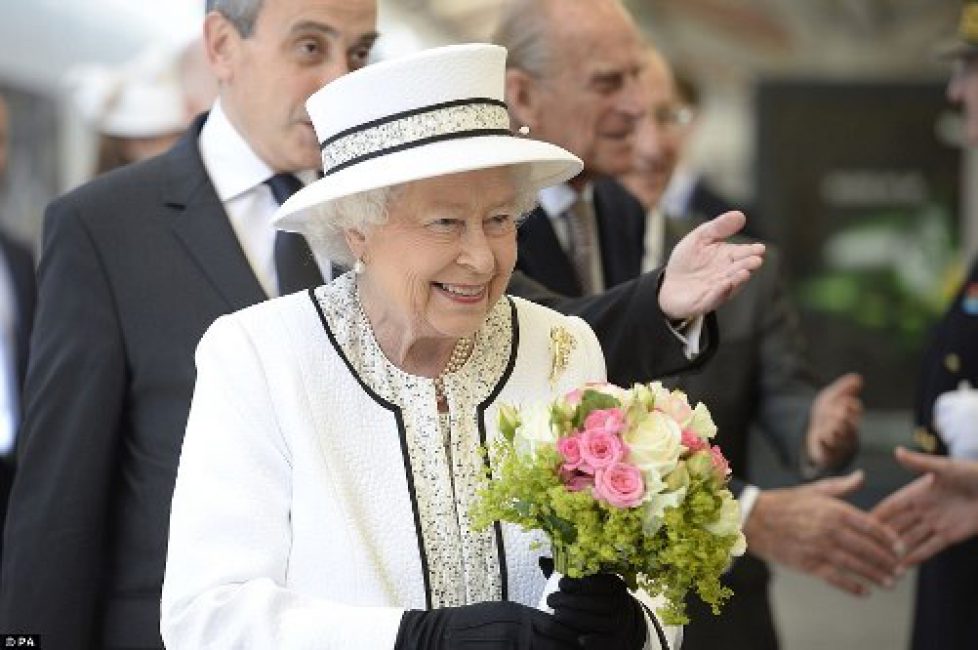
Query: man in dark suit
point(139, 262)
point(759, 380)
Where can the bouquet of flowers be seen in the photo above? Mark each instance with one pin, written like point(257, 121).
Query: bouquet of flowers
point(622, 481)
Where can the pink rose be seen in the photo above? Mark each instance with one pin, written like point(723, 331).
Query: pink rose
point(605, 420)
point(693, 442)
point(720, 464)
point(600, 449)
point(620, 485)
point(570, 448)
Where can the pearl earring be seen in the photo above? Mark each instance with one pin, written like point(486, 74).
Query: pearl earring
point(358, 266)
point(524, 130)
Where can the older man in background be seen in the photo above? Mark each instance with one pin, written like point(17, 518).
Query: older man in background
point(576, 79)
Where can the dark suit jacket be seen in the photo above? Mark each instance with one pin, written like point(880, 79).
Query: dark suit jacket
point(135, 266)
point(758, 378)
point(20, 268)
point(635, 338)
point(946, 597)
point(621, 224)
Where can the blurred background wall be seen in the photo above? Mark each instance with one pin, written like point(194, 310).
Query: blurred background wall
point(828, 117)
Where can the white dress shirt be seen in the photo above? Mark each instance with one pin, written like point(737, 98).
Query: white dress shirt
point(239, 176)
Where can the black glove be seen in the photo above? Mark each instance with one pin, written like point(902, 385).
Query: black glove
point(602, 611)
point(484, 626)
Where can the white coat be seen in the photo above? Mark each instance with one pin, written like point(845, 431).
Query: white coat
point(293, 524)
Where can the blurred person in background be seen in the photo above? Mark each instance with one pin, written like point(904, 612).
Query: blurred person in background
point(689, 193)
point(759, 380)
point(140, 261)
point(138, 110)
point(17, 296)
point(946, 416)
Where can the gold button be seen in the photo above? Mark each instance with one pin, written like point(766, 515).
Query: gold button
point(925, 440)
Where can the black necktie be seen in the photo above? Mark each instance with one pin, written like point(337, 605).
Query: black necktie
point(294, 263)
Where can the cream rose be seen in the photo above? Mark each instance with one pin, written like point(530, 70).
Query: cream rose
point(654, 444)
point(535, 430)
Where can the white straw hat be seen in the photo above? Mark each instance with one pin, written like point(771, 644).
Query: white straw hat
point(437, 112)
point(140, 99)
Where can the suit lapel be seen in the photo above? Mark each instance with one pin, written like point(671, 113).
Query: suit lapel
point(542, 258)
point(202, 226)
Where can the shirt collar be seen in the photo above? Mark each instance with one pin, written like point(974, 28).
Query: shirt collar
point(558, 199)
point(233, 166)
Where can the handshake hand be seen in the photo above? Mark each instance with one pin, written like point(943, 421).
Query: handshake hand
point(936, 510)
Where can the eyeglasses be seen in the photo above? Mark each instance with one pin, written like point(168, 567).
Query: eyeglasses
point(672, 116)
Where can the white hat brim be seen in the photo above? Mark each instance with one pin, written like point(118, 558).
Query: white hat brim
point(544, 164)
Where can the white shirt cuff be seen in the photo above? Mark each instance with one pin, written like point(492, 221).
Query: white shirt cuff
point(689, 333)
point(746, 500)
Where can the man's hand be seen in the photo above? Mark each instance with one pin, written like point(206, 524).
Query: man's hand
point(936, 510)
point(704, 271)
point(810, 529)
point(833, 425)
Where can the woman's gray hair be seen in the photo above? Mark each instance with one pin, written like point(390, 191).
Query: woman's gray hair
point(327, 223)
point(240, 13)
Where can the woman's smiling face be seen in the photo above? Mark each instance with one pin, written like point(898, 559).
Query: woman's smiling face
point(445, 254)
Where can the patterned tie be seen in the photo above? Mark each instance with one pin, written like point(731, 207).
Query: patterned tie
point(294, 263)
point(580, 227)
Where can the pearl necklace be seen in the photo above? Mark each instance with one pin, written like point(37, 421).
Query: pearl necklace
point(460, 354)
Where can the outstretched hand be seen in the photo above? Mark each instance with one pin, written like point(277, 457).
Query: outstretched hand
point(833, 428)
point(810, 528)
point(704, 271)
point(936, 510)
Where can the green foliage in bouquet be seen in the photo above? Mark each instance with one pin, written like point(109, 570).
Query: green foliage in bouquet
point(569, 469)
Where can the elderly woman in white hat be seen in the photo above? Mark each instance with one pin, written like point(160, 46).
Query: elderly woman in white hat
point(332, 450)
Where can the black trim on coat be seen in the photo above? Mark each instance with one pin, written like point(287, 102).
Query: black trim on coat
point(402, 435)
point(481, 421)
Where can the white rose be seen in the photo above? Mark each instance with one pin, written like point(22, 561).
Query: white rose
point(702, 422)
point(654, 444)
point(534, 431)
point(655, 508)
point(728, 519)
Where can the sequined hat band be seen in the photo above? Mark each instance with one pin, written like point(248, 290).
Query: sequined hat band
point(462, 118)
